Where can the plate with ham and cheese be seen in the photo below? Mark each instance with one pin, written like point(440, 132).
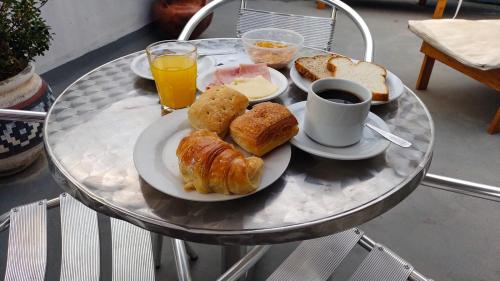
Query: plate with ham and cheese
point(256, 81)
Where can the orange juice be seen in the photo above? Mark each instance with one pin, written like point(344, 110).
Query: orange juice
point(175, 78)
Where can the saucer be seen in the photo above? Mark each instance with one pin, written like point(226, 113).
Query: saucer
point(370, 145)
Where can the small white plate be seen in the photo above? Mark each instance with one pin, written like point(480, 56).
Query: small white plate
point(370, 145)
point(277, 79)
point(157, 163)
point(140, 65)
point(395, 85)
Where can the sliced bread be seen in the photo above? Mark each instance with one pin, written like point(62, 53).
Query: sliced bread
point(314, 68)
point(370, 75)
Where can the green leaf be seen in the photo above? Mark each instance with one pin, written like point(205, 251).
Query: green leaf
point(24, 35)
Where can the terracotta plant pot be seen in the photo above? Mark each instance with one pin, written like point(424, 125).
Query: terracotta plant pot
point(172, 15)
point(21, 142)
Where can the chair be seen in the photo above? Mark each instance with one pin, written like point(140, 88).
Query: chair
point(317, 31)
point(135, 251)
point(318, 259)
point(450, 55)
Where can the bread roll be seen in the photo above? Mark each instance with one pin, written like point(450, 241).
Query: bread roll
point(208, 164)
point(265, 127)
point(216, 108)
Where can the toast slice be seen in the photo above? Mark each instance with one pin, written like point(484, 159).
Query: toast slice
point(370, 75)
point(314, 68)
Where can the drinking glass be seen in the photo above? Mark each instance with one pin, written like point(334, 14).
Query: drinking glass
point(173, 64)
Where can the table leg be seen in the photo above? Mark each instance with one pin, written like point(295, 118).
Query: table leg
point(181, 260)
point(157, 241)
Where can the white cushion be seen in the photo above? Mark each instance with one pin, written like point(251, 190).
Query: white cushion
point(475, 43)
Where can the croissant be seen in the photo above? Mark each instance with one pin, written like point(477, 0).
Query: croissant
point(209, 164)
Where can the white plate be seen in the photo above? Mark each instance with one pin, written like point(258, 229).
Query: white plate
point(140, 65)
point(370, 145)
point(277, 79)
point(396, 87)
point(156, 161)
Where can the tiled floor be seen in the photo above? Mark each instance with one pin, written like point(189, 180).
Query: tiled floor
point(444, 235)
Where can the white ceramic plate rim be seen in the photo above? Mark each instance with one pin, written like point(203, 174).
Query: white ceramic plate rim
point(149, 159)
point(134, 66)
point(396, 87)
point(277, 78)
point(379, 122)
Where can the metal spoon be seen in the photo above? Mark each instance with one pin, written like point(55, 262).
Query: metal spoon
point(391, 137)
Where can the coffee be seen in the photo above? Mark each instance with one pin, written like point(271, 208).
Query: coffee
point(336, 111)
point(340, 96)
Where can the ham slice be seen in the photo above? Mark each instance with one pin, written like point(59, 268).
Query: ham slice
point(226, 75)
point(254, 70)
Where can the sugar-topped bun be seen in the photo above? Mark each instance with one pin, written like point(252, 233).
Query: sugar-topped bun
point(216, 108)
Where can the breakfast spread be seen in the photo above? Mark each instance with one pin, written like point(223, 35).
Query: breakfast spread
point(222, 154)
point(370, 75)
point(251, 80)
point(216, 108)
point(208, 164)
point(265, 127)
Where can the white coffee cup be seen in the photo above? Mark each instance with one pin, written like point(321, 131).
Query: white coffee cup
point(333, 123)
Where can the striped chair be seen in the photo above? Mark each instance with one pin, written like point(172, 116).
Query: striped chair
point(132, 252)
point(325, 258)
point(319, 260)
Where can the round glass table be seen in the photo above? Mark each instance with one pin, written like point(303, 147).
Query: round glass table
point(92, 127)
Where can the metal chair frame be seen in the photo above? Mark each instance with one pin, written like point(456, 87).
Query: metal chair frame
point(249, 18)
point(335, 4)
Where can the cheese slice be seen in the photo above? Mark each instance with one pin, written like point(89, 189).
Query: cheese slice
point(253, 87)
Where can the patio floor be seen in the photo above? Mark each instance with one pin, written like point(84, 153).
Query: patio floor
point(446, 236)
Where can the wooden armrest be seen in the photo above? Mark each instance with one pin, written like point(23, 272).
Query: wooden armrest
point(439, 10)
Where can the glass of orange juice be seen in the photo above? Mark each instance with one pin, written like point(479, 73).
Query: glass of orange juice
point(173, 64)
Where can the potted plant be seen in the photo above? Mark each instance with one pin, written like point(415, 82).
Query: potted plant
point(23, 36)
